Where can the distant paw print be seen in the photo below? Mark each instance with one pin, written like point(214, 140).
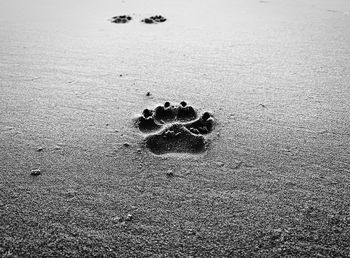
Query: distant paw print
point(121, 19)
point(126, 18)
point(175, 129)
point(154, 19)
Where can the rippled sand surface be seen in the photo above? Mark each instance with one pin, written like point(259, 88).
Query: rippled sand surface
point(77, 177)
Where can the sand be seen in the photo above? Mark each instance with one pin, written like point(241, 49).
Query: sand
point(76, 177)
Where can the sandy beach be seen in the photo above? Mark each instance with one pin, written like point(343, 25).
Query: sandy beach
point(78, 176)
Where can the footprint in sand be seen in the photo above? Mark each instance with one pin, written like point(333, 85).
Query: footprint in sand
point(154, 19)
point(175, 129)
point(126, 18)
point(121, 19)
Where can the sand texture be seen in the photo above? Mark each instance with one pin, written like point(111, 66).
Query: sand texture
point(93, 163)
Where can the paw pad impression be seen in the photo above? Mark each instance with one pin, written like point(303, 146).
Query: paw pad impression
point(175, 128)
point(121, 19)
point(154, 19)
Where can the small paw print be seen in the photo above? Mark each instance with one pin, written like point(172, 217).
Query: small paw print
point(154, 19)
point(121, 19)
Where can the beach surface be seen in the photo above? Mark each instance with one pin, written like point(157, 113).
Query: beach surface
point(76, 177)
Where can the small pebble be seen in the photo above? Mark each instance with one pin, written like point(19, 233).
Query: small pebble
point(170, 173)
point(191, 232)
point(129, 217)
point(148, 94)
point(126, 144)
point(117, 219)
point(35, 172)
point(71, 194)
point(39, 149)
point(238, 165)
point(220, 164)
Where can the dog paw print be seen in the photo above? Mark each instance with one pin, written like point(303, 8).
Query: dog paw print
point(154, 19)
point(121, 19)
point(126, 18)
point(175, 129)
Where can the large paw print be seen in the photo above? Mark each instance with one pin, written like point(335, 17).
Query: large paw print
point(175, 129)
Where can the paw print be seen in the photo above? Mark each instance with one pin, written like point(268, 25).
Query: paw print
point(175, 129)
point(126, 18)
point(154, 19)
point(121, 19)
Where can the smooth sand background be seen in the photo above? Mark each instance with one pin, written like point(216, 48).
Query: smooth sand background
point(275, 179)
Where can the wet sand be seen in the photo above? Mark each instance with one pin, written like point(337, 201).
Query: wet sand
point(274, 179)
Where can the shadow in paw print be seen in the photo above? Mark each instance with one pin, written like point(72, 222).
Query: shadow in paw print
point(175, 129)
point(202, 125)
point(154, 19)
point(175, 139)
point(121, 19)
